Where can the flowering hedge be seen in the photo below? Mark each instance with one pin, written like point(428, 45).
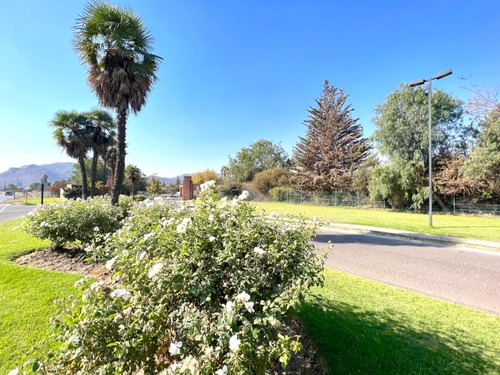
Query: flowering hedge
point(74, 221)
point(198, 289)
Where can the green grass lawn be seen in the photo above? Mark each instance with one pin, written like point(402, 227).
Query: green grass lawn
point(33, 200)
point(487, 228)
point(26, 298)
point(365, 327)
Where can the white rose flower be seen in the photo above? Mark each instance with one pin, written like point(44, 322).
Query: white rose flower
point(14, 372)
point(258, 250)
point(211, 217)
point(211, 239)
point(249, 307)
point(109, 263)
point(155, 270)
point(234, 343)
point(244, 195)
point(221, 371)
point(120, 293)
point(242, 297)
point(229, 306)
point(96, 229)
point(175, 348)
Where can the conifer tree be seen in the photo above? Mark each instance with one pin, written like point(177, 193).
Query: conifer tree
point(333, 146)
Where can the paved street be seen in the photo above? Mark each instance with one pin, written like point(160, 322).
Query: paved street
point(465, 276)
point(13, 211)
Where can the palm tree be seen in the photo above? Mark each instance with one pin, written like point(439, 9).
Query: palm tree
point(116, 48)
point(71, 133)
point(100, 126)
point(133, 174)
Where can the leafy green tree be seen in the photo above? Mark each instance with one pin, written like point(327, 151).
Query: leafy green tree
point(484, 163)
point(333, 147)
point(101, 131)
point(401, 125)
point(133, 174)
point(258, 157)
point(363, 174)
point(154, 186)
point(71, 133)
point(116, 48)
point(401, 135)
point(101, 171)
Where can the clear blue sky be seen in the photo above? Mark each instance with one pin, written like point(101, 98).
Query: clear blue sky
point(237, 71)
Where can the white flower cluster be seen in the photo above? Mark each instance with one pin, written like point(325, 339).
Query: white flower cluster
point(184, 225)
point(155, 270)
point(207, 186)
point(120, 293)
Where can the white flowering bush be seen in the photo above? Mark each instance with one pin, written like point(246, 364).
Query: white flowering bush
point(199, 289)
point(74, 221)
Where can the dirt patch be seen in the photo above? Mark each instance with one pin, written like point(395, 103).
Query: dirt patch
point(64, 260)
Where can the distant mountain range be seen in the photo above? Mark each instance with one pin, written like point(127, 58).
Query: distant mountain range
point(27, 174)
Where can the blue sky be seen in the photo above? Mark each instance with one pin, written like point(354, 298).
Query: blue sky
point(237, 71)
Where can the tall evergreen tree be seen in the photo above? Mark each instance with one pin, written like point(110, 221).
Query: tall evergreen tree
point(333, 146)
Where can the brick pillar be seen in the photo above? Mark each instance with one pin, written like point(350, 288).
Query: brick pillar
point(187, 189)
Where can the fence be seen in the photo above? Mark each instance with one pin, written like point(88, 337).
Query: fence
point(354, 199)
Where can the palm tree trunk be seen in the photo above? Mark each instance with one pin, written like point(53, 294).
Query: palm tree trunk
point(85, 192)
point(105, 170)
point(120, 157)
point(93, 176)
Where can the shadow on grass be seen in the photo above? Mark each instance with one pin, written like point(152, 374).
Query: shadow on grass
point(353, 341)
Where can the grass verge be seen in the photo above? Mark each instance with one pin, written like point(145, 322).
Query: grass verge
point(486, 228)
point(34, 200)
point(26, 298)
point(365, 327)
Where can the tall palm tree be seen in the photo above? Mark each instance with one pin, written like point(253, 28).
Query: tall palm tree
point(71, 133)
point(106, 152)
point(116, 48)
point(100, 125)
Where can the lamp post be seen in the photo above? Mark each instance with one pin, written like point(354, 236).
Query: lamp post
point(419, 82)
point(43, 180)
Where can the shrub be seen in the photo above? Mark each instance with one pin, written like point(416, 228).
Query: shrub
point(74, 221)
point(199, 289)
point(230, 190)
point(271, 178)
point(280, 194)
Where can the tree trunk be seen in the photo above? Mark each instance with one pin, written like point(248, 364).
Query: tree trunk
point(85, 193)
point(120, 157)
point(104, 184)
point(93, 176)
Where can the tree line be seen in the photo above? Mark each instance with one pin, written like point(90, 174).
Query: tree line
point(391, 165)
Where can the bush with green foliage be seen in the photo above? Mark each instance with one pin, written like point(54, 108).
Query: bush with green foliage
point(271, 178)
point(230, 189)
point(280, 194)
point(74, 221)
point(195, 289)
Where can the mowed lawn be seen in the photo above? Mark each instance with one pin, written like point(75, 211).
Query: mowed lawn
point(26, 298)
point(479, 227)
point(362, 326)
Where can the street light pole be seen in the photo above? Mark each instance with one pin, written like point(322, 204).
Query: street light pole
point(418, 83)
point(43, 181)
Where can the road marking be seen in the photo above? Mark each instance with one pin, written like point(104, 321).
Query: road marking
point(4, 207)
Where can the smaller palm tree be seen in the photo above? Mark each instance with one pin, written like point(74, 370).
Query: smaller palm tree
point(100, 127)
point(71, 133)
point(133, 174)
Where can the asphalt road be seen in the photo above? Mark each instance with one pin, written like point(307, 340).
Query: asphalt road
point(13, 211)
point(461, 275)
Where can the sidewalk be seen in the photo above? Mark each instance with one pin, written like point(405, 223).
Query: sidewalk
point(469, 242)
